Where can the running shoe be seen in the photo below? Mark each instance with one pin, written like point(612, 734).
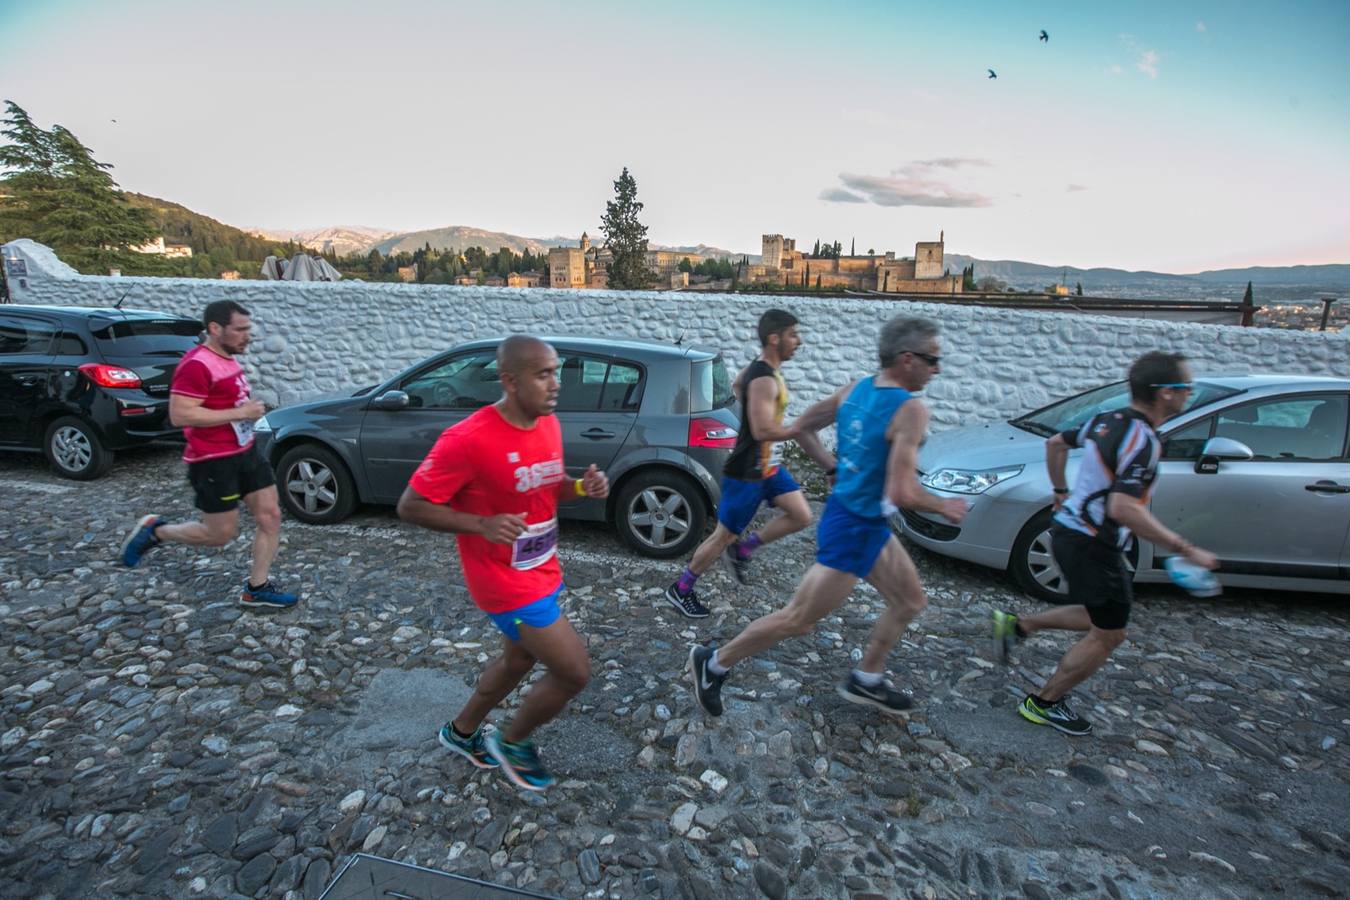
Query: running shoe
point(1057, 715)
point(707, 686)
point(141, 540)
point(739, 565)
point(1005, 634)
point(519, 762)
point(687, 604)
point(884, 696)
point(269, 595)
point(472, 748)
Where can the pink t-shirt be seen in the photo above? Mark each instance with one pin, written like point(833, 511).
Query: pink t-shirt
point(219, 382)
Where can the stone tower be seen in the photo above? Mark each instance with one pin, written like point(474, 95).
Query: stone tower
point(585, 242)
point(772, 250)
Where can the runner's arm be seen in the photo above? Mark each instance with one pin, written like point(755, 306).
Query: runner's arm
point(1134, 514)
point(818, 415)
point(761, 396)
point(189, 412)
point(500, 529)
point(1056, 458)
point(902, 480)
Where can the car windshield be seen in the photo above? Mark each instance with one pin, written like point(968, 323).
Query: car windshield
point(148, 337)
point(1073, 412)
point(710, 385)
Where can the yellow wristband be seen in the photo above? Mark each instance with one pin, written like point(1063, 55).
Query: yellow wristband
point(580, 487)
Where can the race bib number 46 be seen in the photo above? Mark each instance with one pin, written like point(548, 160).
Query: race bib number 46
point(535, 546)
point(243, 431)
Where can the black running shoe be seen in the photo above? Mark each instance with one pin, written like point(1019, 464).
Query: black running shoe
point(687, 604)
point(1057, 715)
point(707, 686)
point(884, 697)
point(739, 566)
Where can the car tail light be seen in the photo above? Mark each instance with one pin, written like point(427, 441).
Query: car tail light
point(110, 376)
point(704, 432)
point(135, 411)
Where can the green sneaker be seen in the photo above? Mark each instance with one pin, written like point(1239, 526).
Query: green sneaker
point(472, 748)
point(1005, 634)
point(519, 762)
point(1057, 715)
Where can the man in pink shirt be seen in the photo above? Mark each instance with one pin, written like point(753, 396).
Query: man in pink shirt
point(211, 401)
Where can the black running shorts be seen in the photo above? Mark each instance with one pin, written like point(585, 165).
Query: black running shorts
point(221, 483)
point(1097, 575)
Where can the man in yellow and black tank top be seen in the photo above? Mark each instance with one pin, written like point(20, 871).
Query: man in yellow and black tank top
point(754, 473)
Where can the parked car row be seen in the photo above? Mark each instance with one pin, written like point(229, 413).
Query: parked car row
point(1256, 469)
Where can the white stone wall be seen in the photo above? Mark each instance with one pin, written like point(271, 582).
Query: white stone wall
point(312, 338)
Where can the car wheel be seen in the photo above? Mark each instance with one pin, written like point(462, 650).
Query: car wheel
point(315, 485)
point(660, 513)
point(1033, 565)
point(75, 450)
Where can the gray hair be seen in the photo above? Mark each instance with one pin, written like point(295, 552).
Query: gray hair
point(903, 333)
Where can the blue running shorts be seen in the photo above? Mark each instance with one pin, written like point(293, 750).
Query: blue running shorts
point(539, 614)
point(849, 542)
point(741, 499)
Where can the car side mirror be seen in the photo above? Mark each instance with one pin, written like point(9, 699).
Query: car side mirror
point(1220, 448)
point(390, 400)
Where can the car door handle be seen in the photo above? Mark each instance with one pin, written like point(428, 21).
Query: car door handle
point(597, 434)
point(28, 380)
point(1327, 487)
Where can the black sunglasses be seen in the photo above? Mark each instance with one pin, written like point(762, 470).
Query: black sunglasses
point(929, 358)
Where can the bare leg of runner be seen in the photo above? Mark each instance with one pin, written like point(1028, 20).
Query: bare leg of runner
point(896, 579)
point(796, 516)
point(499, 679)
point(1083, 658)
point(563, 653)
point(266, 511)
point(821, 592)
point(214, 530)
point(1062, 618)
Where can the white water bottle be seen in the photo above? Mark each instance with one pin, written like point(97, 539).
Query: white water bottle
point(1195, 580)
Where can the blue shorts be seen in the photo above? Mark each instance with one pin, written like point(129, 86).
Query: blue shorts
point(741, 499)
point(539, 614)
point(849, 542)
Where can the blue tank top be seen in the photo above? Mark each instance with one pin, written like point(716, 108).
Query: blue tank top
point(861, 426)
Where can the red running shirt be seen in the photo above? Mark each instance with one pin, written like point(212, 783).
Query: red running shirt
point(486, 466)
point(219, 382)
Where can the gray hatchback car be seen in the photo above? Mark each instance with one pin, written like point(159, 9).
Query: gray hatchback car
point(1255, 470)
point(658, 418)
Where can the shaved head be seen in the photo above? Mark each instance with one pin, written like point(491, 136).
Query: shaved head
point(518, 351)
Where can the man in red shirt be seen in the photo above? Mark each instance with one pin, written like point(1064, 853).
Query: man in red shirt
point(494, 481)
point(211, 401)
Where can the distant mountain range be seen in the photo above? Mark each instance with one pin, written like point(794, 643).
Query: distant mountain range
point(1026, 275)
point(343, 239)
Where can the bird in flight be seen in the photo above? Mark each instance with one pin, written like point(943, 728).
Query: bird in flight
point(993, 74)
point(1045, 36)
point(114, 121)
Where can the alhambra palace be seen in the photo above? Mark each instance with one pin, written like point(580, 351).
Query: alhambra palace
point(781, 264)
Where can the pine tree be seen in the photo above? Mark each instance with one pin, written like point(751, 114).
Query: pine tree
point(626, 236)
point(1079, 289)
point(57, 194)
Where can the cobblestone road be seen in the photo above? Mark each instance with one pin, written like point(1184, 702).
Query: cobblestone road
point(157, 741)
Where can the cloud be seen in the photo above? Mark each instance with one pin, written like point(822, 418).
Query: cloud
point(1147, 61)
point(913, 184)
point(839, 195)
point(1200, 27)
point(1075, 188)
point(1115, 70)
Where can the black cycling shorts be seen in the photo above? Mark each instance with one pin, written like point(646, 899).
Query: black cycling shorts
point(221, 483)
point(1097, 576)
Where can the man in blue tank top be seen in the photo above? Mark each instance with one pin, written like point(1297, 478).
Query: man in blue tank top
point(880, 425)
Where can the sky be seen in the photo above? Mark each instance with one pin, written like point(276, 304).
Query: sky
point(1167, 136)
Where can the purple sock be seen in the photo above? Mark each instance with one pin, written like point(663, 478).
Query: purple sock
point(685, 584)
point(749, 545)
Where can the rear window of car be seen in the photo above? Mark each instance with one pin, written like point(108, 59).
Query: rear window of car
point(710, 385)
point(148, 337)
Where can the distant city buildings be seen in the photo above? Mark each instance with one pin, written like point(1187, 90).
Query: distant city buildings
point(783, 264)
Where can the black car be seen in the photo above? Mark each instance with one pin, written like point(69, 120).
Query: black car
point(79, 383)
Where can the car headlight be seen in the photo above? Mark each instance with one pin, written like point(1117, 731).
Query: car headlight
point(968, 481)
point(262, 425)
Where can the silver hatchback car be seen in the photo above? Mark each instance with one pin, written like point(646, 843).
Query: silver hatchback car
point(1256, 470)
